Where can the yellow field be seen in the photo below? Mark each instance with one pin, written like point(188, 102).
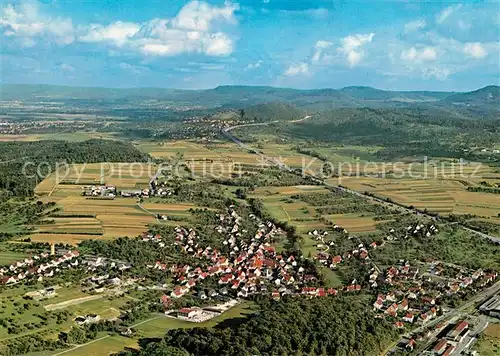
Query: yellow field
point(353, 222)
point(121, 175)
point(102, 219)
point(435, 195)
point(225, 154)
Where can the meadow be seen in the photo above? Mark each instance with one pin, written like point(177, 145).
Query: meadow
point(489, 342)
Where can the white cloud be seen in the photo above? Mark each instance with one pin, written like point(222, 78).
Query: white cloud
point(199, 15)
point(436, 72)
point(447, 12)
point(475, 50)
point(352, 47)
point(117, 33)
point(255, 65)
point(423, 55)
point(297, 69)
point(27, 24)
point(414, 26)
point(319, 48)
point(195, 29)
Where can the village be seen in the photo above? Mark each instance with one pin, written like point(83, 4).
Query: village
point(413, 295)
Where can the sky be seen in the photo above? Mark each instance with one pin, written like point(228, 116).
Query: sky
point(398, 45)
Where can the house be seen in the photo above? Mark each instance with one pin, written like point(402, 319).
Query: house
point(449, 350)
point(409, 318)
point(411, 345)
point(379, 303)
point(458, 331)
point(403, 306)
point(399, 325)
point(177, 292)
point(126, 331)
point(8, 280)
point(440, 347)
point(88, 319)
point(187, 312)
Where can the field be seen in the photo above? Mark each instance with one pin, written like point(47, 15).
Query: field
point(154, 327)
point(489, 343)
point(436, 195)
point(7, 257)
point(71, 136)
point(220, 159)
point(81, 218)
point(158, 326)
point(68, 180)
point(279, 203)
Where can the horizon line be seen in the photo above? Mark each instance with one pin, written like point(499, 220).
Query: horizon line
point(246, 86)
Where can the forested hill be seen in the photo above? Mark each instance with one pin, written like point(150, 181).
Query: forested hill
point(272, 111)
point(402, 132)
point(19, 161)
point(298, 326)
point(230, 96)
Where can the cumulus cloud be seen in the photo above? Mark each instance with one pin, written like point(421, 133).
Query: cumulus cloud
point(352, 49)
point(117, 33)
point(199, 16)
point(475, 50)
point(28, 24)
point(415, 26)
point(423, 55)
point(297, 69)
point(195, 29)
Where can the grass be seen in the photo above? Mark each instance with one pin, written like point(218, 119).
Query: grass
point(8, 257)
point(332, 279)
point(489, 342)
point(158, 327)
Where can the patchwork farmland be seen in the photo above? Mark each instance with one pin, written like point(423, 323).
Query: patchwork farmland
point(435, 195)
point(83, 218)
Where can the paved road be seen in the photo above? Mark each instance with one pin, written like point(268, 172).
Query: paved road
point(487, 293)
point(283, 166)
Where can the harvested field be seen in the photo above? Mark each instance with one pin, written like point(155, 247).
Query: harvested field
point(435, 195)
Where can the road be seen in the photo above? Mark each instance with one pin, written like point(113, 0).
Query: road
point(283, 166)
point(487, 293)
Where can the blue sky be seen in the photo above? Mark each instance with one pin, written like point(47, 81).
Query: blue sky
point(404, 45)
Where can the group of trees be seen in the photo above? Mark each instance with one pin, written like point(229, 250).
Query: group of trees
point(270, 176)
point(18, 217)
point(24, 164)
point(292, 326)
point(402, 132)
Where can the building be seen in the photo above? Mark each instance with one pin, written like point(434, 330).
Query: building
point(187, 313)
point(440, 347)
point(459, 331)
point(491, 306)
